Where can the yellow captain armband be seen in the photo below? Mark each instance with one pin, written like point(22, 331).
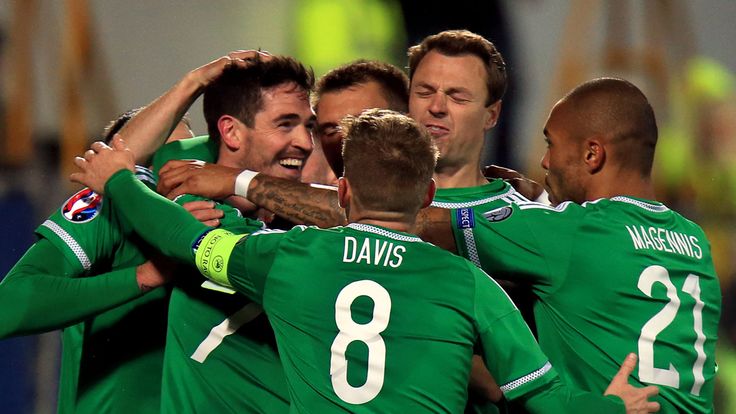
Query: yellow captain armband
point(213, 254)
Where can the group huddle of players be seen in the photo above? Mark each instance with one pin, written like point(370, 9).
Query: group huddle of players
point(375, 292)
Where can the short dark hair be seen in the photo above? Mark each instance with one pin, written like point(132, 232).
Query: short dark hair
point(118, 123)
point(393, 81)
point(464, 42)
point(619, 110)
point(389, 159)
point(238, 92)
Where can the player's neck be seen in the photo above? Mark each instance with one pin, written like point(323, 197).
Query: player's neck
point(468, 175)
point(631, 185)
point(390, 220)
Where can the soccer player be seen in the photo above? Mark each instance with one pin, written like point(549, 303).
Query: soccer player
point(88, 276)
point(457, 83)
point(346, 90)
point(220, 352)
point(613, 270)
point(458, 79)
point(349, 90)
point(357, 326)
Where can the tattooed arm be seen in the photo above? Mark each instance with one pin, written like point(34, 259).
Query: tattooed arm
point(294, 201)
point(297, 202)
point(434, 225)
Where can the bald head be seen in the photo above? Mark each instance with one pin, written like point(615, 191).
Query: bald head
point(617, 111)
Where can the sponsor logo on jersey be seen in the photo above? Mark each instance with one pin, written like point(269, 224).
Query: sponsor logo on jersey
point(464, 218)
point(82, 206)
point(499, 214)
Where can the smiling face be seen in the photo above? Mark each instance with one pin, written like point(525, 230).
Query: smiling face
point(334, 106)
point(448, 96)
point(281, 137)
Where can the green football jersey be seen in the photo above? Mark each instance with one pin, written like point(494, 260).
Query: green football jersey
point(613, 276)
point(110, 363)
point(340, 333)
point(494, 194)
point(372, 320)
point(220, 352)
point(198, 148)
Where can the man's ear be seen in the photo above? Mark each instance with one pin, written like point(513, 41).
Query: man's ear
point(343, 192)
point(430, 193)
point(232, 132)
point(493, 111)
point(595, 154)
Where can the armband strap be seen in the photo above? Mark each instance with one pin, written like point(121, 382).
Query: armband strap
point(243, 181)
point(213, 253)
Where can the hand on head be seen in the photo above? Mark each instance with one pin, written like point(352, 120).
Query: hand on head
point(207, 73)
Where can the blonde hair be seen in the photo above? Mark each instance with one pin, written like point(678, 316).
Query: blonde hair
point(389, 160)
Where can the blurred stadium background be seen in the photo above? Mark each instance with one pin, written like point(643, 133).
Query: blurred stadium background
point(69, 66)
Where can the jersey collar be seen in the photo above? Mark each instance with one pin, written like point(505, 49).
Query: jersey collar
point(652, 206)
point(384, 232)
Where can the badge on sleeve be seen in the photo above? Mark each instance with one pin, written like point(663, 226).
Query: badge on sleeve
point(499, 214)
point(464, 218)
point(82, 206)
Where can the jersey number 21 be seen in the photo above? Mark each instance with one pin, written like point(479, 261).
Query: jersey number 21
point(669, 376)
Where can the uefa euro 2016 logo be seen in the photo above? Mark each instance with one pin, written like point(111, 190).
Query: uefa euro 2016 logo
point(82, 206)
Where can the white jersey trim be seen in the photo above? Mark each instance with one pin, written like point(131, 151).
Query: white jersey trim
point(656, 208)
point(383, 232)
point(266, 230)
point(511, 192)
point(473, 255)
point(527, 378)
point(144, 174)
point(534, 205)
point(70, 242)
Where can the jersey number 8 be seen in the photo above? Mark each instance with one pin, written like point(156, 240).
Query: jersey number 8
point(368, 333)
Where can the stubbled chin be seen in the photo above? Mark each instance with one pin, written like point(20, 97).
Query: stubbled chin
point(288, 173)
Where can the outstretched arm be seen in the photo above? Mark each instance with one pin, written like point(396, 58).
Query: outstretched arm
point(44, 292)
point(148, 130)
point(297, 202)
point(635, 400)
point(162, 223)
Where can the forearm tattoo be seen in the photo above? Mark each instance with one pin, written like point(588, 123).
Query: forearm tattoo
point(297, 202)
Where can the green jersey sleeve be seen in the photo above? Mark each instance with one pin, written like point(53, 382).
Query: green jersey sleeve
point(518, 364)
point(198, 148)
point(240, 261)
point(41, 292)
point(520, 239)
point(66, 277)
point(162, 223)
